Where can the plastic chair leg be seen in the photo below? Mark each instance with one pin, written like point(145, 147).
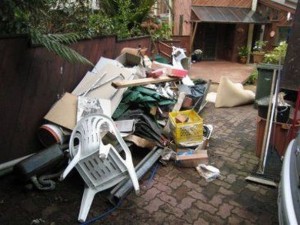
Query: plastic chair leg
point(71, 165)
point(134, 179)
point(86, 202)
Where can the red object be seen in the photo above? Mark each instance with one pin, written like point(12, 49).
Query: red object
point(156, 73)
point(180, 73)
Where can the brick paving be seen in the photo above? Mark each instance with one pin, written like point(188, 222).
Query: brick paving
point(175, 195)
point(214, 70)
point(180, 196)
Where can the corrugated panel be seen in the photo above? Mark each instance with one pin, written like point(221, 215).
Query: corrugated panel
point(227, 15)
point(223, 3)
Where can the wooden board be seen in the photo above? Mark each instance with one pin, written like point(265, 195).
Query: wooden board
point(143, 81)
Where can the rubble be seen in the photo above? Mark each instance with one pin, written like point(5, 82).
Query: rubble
point(154, 107)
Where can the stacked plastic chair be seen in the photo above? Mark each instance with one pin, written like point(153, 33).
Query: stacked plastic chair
point(101, 166)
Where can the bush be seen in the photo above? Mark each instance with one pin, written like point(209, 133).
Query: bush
point(259, 46)
point(243, 51)
point(253, 77)
point(277, 56)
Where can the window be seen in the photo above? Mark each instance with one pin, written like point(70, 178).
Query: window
point(274, 15)
point(282, 34)
point(294, 1)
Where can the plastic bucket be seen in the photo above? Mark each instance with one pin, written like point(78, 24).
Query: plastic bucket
point(50, 134)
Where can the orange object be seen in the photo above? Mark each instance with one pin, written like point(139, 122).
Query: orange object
point(180, 118)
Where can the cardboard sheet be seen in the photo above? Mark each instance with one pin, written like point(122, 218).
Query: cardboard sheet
point(110, 73)
point(63, 112)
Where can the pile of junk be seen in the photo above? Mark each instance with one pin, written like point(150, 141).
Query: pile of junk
point(123, 104)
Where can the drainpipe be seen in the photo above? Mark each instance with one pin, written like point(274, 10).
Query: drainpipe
point(155, 8)
point(251, 30)
point(171, 14)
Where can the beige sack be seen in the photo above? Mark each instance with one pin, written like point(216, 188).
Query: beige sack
point(231, 94)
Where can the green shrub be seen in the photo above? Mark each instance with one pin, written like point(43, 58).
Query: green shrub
point(252, 78)
point(243, 51)
point(277, 55)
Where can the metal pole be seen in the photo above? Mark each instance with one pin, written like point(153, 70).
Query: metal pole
point(269, 121)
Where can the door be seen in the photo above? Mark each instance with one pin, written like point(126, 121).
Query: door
point(209, 41)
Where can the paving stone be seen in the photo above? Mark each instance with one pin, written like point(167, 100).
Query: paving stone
point(196, 195)
point(266, 220)
point(154, 205)
point(211, 190)
point(252, 187)
point(182, 192)
point(192, 186)
point(191, 214)
point(177, 182)
point(239, 184)
point(217, 200)
point(243, 213)
point(186, 203)
point(168, 199)
point(172, 174)
point(234, 219)
point(234, 203)
point(226, 192)
point(151, 193)
point(235, 155)
point(201, 221)
point(163, 187)
point(214, 219)
point(231, 178)
point(174, 211)
point(159, 216)
point(225, 210)
point(174, 220)
point(222, 182)
point(205, 207)
point(262, 191)
point(162, 180)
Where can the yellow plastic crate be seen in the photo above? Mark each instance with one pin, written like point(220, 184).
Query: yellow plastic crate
point(189, 131)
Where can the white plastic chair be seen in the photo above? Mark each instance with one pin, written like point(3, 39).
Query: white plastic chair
point(100, 166)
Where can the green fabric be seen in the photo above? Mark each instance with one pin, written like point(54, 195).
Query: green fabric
point(141, 97)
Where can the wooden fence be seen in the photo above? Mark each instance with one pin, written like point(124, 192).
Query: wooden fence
point(165, 47)
point(32, 79)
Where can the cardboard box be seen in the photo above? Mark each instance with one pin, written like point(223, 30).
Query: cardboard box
point(191, 158)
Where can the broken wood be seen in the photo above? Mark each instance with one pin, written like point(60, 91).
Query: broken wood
point(180, 118)
point(142, 81)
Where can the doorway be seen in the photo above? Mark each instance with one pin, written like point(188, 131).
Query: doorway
point(209, 41)
point(216, 41)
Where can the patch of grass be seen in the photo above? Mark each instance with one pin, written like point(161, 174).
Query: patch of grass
point(252, 78)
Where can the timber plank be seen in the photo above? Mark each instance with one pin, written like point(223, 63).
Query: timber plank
point(142, 81)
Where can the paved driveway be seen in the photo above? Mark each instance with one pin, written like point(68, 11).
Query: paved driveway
point(174, 195)
point(214, 70)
